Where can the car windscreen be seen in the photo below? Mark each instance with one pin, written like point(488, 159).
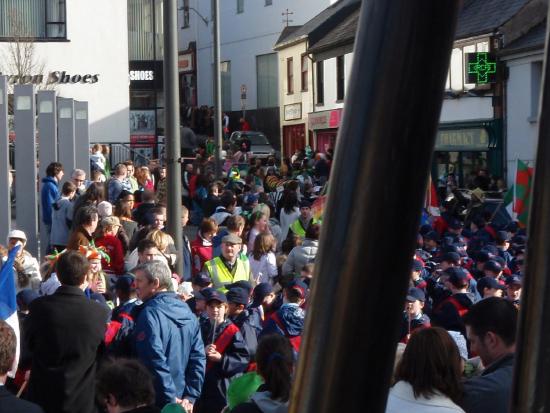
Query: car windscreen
point(256, 139)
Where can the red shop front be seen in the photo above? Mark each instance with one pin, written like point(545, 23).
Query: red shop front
point(325, 128)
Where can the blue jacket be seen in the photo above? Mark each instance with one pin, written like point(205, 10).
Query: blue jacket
point(168, 342)
point(292, 317)
point(48, 196)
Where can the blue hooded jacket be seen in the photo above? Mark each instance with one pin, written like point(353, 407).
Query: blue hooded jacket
point(292, 317)
point(48, 195)
point(168, 342)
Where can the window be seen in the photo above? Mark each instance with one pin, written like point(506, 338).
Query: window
point(289, 76)
point(457, 68)
point(268, 2)
point(185, 24)
point(536, 81)
point(304, 69)
point(240, 6)
point(267, 80)
point(41, 19)
point(320, 81)
point(225, 68)
point(340, 78)
point(145, 40)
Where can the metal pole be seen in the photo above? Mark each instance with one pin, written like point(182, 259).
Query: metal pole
point(172, 127)
point(5, 169)
point(532, 370)
point(383, 154)
point(217, 86)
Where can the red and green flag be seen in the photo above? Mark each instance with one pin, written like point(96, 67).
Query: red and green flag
point(523, 191)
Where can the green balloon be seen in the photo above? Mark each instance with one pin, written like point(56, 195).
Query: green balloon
point(172, 408)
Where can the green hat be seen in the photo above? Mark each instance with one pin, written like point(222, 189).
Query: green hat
point(242, 388)
point(173, 408)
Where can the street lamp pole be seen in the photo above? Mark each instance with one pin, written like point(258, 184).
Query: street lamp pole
point(172, 127)
point(217, 85)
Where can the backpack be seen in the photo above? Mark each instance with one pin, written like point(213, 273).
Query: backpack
point(117, 335)
point(295, 341)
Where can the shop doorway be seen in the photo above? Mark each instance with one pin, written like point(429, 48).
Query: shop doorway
point(459, 169)
point(294, 137)
point(325, 140)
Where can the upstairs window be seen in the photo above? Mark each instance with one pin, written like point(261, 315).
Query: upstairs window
point(240, 6)
point(290, 76)
point(33, 19)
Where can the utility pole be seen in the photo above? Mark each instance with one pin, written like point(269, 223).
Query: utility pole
point(172, 127)
point(217, 86)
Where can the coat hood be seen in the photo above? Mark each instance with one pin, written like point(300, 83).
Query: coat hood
point(49, 179)
point(292, 316)
point(268, 405)
point(171, 307)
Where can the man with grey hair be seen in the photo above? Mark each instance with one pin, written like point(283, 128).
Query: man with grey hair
point(78, 177)
point(168, 338)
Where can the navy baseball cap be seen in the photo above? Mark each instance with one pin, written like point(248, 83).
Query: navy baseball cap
point(457, 276)
point(300, 286)
point(488, 282)
point(237, 295)
point(514, 280)
point(416, 294)
point(455, 224)
point(502, 236)
point(261, 291)
point(417, 265)
point(451, 257)
point(202, 280)
point(241, 284)
point(432, 235)
point(125, 283)
point(216, 295)
point(203, 294)
point(482, 256)
point(493, 266)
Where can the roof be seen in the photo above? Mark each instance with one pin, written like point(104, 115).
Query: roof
point(533, 39)
point(287, 31)
point(343, 33)
point(484, 16)
point(321, 23)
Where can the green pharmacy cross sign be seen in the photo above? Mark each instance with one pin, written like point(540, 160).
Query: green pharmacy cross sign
point(482, 68)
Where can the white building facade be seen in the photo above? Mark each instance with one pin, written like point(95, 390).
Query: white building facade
point(80, 49)
point(248, 30)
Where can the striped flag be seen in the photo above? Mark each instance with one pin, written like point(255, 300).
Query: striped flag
point(523, 188)
point(8, 303)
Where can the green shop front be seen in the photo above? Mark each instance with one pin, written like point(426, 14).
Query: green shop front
point(462, 149)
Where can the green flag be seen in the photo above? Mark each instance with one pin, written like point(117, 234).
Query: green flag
point(508, 201)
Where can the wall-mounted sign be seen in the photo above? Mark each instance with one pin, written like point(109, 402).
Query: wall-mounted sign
point(481, 68)
point(293, 111)
point(52, 78)
point(145, 75)
point(473, 139)
point(328, 119)
point(185, 63)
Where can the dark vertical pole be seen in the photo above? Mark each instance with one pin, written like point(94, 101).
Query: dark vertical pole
point(172, 126)
point(532, 373)
point(217, 85)
point(377, 188)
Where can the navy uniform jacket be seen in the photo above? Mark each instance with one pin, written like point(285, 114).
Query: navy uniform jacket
point(246, 321)
point(234, 362)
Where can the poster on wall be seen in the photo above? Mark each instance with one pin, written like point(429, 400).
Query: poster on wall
point(142, 122)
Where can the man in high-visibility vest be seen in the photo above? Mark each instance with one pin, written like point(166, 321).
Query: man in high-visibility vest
point(302, 223)
point(231, 266)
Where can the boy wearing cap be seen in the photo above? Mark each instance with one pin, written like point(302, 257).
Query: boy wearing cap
point(238, 313)
point(226, 354)
point(513, 290)
point(413, 317)
point(265, 302)
point(489, 287)
point(288, 321)
point(431, 240)
point(449, 312)
point(493, 269)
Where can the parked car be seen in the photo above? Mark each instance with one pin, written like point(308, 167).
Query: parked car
point(259, 145)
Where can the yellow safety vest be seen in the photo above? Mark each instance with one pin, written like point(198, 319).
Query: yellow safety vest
point(299, 229)
point(221, 276)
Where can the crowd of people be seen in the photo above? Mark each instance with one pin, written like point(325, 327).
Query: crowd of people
point(225, 334)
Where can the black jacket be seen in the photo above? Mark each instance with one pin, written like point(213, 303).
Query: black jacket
point(65, 332)
point(11, 404)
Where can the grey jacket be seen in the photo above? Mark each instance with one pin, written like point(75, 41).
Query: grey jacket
point(300, 256)
point(62, 212)
point(490, 392)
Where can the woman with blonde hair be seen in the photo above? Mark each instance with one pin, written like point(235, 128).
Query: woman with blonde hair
point(263, 263)
point(143, 178)
point(165, 245)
